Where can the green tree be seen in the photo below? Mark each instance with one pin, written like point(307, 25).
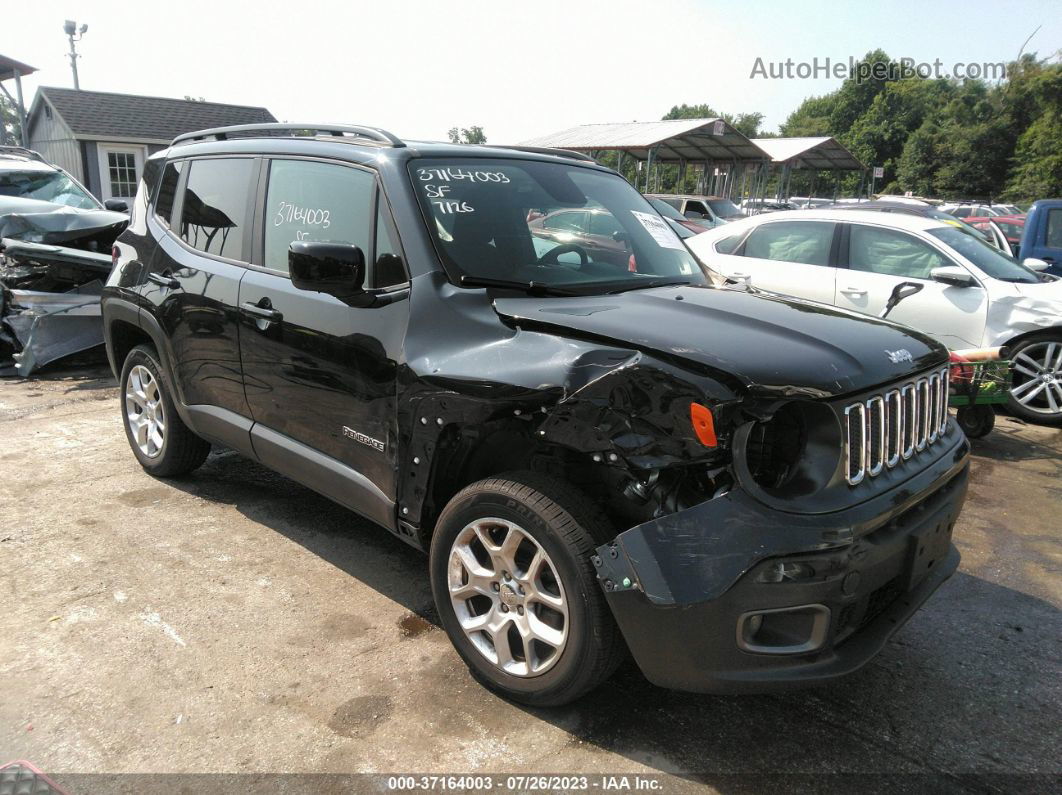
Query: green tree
point(467, 135)
point(1033, 97)
point(812, 118)
point(917, 165)
point(856, 93)
point(879, 134)
point(1037, 169)
point(10, 124)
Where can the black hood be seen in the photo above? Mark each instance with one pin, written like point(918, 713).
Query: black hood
point(769, 343)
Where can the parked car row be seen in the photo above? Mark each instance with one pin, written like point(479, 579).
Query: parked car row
point(972, 296)
point(709, 211)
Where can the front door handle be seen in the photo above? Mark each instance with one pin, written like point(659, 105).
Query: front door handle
point(854, 291)
point(164, 280)
point(264, 312)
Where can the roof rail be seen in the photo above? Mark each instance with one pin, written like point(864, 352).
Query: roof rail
point(337, 130)
point(22, 151)
point(549, 150)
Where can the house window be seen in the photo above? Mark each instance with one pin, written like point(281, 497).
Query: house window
point(121, 167)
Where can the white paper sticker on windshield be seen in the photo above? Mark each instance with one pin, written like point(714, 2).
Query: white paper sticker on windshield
point(656, 226)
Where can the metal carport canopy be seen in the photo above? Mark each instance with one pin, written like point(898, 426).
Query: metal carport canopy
point(816, 153)
point(671, 141)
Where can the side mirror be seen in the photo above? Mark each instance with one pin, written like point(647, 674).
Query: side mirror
point(620, 237)
point(334, 268)
point(1035, 264)
point(952, 275)
point(117, 205)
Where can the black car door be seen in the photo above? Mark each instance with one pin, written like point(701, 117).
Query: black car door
point(204, 212)
point(321, 376)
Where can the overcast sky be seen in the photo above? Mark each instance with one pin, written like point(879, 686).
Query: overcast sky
point(518, 69)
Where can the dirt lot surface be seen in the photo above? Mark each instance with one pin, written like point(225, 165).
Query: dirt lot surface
point(236, 622)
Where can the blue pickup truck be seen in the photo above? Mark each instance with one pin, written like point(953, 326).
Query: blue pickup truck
point(1042, 237)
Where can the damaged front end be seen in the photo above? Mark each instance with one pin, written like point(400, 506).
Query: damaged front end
point(52, 268)
point(790, 574)
point(783, 519)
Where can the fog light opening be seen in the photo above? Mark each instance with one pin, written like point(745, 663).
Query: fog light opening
point(786, 630)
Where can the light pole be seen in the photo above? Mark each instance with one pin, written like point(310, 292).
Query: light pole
point(71, 29)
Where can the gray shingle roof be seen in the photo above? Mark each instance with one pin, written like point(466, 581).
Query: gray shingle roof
point(107, 115)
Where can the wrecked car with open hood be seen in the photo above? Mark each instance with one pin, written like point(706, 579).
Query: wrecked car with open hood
point(55, 254)
point(602, 451)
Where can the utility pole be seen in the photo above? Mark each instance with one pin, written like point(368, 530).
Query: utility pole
point(71, 29)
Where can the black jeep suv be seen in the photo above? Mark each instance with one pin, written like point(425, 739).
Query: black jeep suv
point(602, 455)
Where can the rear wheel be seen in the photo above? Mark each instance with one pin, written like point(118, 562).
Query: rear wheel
point(516, 592)
point(161, 442)
point(1036, 388)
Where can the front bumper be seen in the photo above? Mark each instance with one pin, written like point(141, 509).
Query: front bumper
point(683, 587)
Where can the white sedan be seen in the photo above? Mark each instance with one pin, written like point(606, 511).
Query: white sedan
point(973, 295)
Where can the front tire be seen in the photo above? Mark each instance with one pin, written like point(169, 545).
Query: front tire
point(161, 442)
point(1036, 385)
point(516, 592)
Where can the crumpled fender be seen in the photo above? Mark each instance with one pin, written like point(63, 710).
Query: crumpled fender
point(637, 413)
point(1013, 315)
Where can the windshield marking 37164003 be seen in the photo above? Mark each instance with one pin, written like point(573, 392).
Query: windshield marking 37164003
point(551, 227)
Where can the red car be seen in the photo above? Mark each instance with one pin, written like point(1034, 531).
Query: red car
point(1010, 225)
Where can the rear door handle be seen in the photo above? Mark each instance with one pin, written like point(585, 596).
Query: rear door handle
point(264, 312)
point(853, 291)
point(164, 280)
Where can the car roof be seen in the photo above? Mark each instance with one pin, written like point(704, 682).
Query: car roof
point(1010, 219)
point(364, 150)
point(9, 162)
point(914, 223)
point(697, 196)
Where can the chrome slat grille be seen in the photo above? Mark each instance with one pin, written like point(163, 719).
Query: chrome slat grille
point(885, 429)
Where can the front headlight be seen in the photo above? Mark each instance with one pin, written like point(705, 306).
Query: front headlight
point(795, 452)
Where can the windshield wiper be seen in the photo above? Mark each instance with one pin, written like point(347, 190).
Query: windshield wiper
point(648, 284)
point(531, 288)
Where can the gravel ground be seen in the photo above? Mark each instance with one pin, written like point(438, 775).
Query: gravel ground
point(235, 622)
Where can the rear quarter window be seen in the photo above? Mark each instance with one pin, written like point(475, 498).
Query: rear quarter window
point(215, 211)
point(167, 192)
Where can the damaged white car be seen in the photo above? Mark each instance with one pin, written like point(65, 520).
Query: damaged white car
point(55, 254)
point(972, 296)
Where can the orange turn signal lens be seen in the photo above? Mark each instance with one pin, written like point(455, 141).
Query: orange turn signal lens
point(703, 424)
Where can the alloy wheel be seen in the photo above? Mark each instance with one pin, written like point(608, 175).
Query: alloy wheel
point(144, 411)
point(1037, 381)
point(508, 597)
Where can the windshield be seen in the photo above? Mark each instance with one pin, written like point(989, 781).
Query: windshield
point(725, 208)
point(49, 186)
point(989, 259)
point(547, 225)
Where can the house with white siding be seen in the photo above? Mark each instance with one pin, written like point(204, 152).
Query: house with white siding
point(102, 138)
